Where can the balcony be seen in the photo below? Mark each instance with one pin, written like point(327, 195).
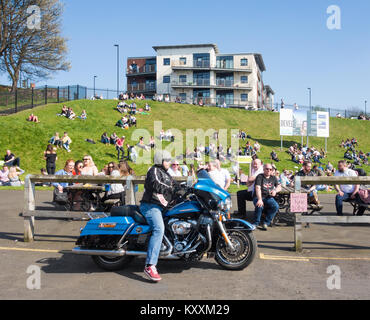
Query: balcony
point(144, 70)
point(207, 65)
point(141, 87)
point(206, 83)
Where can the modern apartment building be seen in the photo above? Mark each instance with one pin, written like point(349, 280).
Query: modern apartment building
point(199, 73)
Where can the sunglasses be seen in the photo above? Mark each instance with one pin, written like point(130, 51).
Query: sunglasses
point(86, 159)
point(110, 167)
point(268, 169)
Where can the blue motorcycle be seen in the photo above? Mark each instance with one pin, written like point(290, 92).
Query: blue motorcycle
point(197, 224)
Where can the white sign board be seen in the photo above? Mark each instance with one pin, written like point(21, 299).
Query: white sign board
point(286, 122)
point(322, 124)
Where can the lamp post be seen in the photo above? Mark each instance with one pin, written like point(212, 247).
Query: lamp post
point(309, 90)
point(116, 45)
point(94, 84)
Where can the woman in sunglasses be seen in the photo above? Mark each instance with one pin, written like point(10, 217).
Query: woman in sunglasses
point(89, 168)
point(115, 190)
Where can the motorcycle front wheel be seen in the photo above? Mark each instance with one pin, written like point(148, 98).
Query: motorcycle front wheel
point(245, 245)
point(112, 263)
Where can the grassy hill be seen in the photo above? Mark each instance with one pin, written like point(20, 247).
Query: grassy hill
point(28, 140)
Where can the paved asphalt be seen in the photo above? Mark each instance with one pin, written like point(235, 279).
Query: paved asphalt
point(276, 273)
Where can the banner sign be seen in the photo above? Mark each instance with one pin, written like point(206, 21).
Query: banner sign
point(286, 122)
point(300, 122)
point(298, 202)
point(322, 119)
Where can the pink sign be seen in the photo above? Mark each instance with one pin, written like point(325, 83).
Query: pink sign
point(298, 202)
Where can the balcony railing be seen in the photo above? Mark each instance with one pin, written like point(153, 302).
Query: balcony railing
point(144, 69)
point(219, 65)
point(222, 83)
point(141, 87)
point(192, 83)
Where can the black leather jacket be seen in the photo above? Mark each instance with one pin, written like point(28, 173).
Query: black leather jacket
point(158, 181)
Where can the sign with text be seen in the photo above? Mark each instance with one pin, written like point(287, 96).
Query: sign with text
point(298, 202)
point(245, 159)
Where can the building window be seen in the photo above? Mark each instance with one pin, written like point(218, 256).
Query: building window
point(244, 97)
point(166, 79)
point(244, 62)
point(182, 78)
point(183, 61)
point(244, 79)
point(182, 97)
point(166, 61)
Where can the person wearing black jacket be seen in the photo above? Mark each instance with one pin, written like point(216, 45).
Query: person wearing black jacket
point(159, 190)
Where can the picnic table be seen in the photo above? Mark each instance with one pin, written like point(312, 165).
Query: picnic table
point(84, 197)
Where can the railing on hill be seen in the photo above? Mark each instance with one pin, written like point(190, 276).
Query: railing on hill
point(23, 99)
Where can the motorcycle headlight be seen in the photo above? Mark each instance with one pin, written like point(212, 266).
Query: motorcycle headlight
point(226, 205)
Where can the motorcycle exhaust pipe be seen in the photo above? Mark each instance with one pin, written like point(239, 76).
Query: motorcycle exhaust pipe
point(93, 252)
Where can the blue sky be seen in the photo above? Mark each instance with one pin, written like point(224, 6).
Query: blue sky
point(298, 49)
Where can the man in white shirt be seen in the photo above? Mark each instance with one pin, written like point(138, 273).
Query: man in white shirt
point(256, 168)
point(225, 173)
point(345, 192)
point(216, 174)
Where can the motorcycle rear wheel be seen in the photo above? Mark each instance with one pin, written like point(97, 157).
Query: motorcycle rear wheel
point(246, 248)
point(112, 263)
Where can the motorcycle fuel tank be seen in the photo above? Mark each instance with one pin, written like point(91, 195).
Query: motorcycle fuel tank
point(184, 209)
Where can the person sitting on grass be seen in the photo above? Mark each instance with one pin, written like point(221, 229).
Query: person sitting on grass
point(33, 118)
point(66, 140)
point(83, 115)
point(142, 145)
point(113, 138)
point(104, 139)
point(70, 114)
point(4, 180)
point(64, 111)
point(147, 107)
point(14, 173)
point(274, 156)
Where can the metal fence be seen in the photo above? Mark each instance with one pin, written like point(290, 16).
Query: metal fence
point(23, 99)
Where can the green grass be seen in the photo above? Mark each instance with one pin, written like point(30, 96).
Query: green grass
point(28, 140)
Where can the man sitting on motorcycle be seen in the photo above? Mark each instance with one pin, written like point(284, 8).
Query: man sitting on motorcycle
point(158, 193)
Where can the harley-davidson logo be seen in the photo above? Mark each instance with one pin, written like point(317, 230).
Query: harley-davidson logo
point(139, 229)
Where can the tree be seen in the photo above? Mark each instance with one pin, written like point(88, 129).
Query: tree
point(33, 48)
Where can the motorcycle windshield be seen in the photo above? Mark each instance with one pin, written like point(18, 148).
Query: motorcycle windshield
point(205, 183)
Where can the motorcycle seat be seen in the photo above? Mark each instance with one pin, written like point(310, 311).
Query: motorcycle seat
point(129, 211)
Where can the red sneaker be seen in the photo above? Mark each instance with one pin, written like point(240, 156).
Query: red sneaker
point(152, 273)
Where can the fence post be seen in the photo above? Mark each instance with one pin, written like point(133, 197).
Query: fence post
point(297, 225)
point(46, 94)
point(29, 205)
point(68, 94)
point(16, 100)
point(32, 97)
point(130, 191)
point(78, 92)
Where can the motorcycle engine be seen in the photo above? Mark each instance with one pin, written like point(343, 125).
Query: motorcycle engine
point(182, 232)
point(181, 228)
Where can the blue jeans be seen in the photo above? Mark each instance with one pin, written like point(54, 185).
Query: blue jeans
point(339, 202)
point(153, 215)
point(272, 208)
